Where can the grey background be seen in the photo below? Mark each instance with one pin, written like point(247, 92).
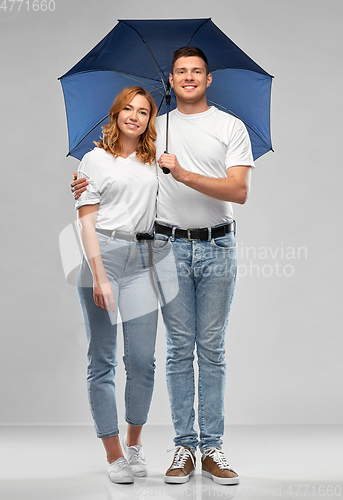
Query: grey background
point(284, 343)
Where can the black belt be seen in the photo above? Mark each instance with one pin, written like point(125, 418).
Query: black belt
point(197, 234)
point(125, 236)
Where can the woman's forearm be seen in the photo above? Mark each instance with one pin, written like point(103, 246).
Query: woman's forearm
point(92, 253)
point(102, 288)
point(90, 243)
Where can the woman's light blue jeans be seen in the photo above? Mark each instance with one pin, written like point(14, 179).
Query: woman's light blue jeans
point(196, 317)
point(128, 268)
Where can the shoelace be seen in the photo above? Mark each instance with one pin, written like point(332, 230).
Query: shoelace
point(121, 463)
point(134, 455)
point(180, 457)
point(218, 457)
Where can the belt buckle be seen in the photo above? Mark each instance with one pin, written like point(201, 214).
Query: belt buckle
point(189, 235)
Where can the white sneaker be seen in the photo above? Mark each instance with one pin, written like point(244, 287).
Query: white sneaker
point(135, 458)
point(120, 471)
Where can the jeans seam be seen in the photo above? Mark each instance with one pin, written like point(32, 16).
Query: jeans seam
point(127, 366)
point(201, 425)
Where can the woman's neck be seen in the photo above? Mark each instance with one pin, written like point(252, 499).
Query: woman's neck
point(128, 147)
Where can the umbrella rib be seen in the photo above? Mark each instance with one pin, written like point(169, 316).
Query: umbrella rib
point(151, 55)
point(89, 131)
point(139, 81)
point(201, 25)
point(244, 69)
point(245, 123)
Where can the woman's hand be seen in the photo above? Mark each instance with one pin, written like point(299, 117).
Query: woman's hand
point(103, 296)
point(78, 186)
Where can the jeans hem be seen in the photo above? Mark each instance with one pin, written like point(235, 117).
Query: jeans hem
point(134, 424)
point(208, 447)
point(107, 434)
point(192, 448)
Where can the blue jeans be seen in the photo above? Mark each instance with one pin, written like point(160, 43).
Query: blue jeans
point(197, 317)
point(128, 268)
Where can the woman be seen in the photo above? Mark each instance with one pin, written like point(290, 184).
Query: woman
point(116, 216)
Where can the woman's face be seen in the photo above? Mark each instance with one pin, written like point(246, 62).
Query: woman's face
point(134, 118)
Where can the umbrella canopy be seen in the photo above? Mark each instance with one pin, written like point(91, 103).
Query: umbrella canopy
point(139, 52)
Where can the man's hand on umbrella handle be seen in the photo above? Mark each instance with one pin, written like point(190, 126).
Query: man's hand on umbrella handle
point(78, 186)
point(165, 170)
point(171, 163)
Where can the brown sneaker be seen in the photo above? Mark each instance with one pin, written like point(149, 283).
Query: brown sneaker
point(215, 466)
point(183, 466)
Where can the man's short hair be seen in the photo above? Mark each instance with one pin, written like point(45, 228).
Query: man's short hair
point(189, 52)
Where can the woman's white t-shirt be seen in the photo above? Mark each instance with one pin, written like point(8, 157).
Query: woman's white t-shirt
point(125, 189)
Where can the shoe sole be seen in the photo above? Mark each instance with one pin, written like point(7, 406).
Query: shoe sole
point(140, 473)
point(178, 479)
point(221, 480)
point(123, 480)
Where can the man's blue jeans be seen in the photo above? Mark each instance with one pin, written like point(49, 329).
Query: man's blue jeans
point(196, 317)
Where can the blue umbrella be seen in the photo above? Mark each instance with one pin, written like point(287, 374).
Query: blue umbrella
point(139, 52)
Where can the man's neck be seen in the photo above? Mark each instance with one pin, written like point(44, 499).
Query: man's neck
point(192, 108)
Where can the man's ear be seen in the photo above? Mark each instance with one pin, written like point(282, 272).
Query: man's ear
point(171, 81)
point(209, 80)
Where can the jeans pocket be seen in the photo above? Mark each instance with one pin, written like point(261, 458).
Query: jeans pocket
point(227, 242)
point(160, 241)
point(103, 239)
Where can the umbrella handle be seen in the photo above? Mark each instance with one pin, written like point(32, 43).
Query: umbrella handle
point(166, 170)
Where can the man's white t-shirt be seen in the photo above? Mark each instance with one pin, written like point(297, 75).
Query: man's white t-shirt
point(125, 189)
point(205, 143)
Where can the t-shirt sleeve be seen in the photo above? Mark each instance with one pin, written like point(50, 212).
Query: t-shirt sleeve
point(92, 194)
point(239, 147)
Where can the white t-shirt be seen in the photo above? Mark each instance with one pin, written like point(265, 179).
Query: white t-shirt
point(125, 189)
point(205, 143)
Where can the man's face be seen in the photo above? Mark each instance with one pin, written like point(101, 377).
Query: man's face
point(189, 79)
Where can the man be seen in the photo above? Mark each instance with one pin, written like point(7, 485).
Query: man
point(210, 162)
point(210, 168)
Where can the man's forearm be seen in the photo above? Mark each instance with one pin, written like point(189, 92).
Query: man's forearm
point(233, 188)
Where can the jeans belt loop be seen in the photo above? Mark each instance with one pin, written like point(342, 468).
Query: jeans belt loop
point(209, 229)
point(113, 235)
point(173, 233)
